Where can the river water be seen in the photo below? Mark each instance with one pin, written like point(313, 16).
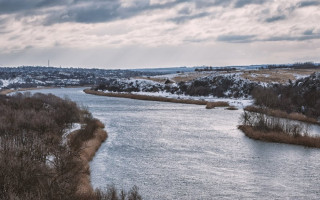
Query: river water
point(178, 151)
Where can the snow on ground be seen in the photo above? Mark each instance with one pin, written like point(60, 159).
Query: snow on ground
point(6, 82)
point(299, 76)
point(75, 126)
point(50, 160)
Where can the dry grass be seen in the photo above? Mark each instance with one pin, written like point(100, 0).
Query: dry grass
point(282, 114)
point(280, 137)
point(211, 105)
point(146, 97)
point(190, 76)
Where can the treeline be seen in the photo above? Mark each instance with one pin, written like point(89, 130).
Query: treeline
point(303, 96)
point(35, 163)
point(305, 65)
point(219, 86)
point(217, 69)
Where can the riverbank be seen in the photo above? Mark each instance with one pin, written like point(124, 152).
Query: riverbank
point(88, 150)
point(282, 114)
point(158, 98)
point(146, 97)
point(279, 137)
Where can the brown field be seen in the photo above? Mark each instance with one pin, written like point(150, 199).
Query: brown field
point(280, 137)
point(282, 114)
point(276, 75)
point(190, 76)
point(146, 97)
point(261, 75)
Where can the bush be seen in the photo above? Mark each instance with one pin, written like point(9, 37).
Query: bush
point(34, 163)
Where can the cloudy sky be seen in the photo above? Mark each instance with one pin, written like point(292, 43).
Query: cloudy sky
point(158, 33)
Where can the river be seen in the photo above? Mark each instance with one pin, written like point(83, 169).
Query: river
point(179, 151)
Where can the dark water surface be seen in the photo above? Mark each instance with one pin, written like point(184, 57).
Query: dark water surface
point(177, 151)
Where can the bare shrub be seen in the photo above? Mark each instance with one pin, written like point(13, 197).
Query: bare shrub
point(34, 164)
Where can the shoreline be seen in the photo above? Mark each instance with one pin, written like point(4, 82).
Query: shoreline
point(86, 154)
point(155, 98)
point(279, 137)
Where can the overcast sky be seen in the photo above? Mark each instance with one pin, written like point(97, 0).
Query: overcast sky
point(158, 33)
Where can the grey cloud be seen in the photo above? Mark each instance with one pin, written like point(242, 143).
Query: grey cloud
point(308, 32)
point(234, 3)
point(88, 14)
point(294, 38)
point(205, 3)
point(197, 40)
point(102, 11)
point(308, 3)
point(184, 18)
point(275, 18)
point(14, 37)
point(14, 6)
point(96, 11)
point(236, 38)
point(242, 3)
point(3, 21)
point(185, 11)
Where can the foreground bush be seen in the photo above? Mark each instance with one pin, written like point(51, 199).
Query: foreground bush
point(34, 161)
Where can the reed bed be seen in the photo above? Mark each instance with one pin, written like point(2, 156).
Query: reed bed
point(146, 97)
point(280, 137)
